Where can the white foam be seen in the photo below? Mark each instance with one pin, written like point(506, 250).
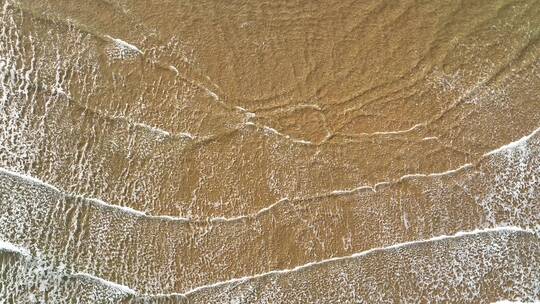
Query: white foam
point(514, 144)
point(395, 132)
point(187, 135)
point(124, 44)
point(149, 128)
point(7, 246)
point(107, 205)
point(28, 178)
point(404, 177)
point(152, 129)
point(274, 131)
point(271, 130)
point(350, 191)
point(119, 287)
point(436, 174)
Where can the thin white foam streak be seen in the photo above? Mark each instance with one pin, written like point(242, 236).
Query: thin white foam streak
point(123, 44)
point(394, 132)
point(162, 132)
point(436, 174)
point(107, 205)
point(274, 131)
point(29, 178)
point(113, 285)
point(373, 188)
point(152, 129)
point(458, 234)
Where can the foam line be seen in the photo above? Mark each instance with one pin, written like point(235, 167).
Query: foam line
point(124, 44)
point(127, 290)
point(7, 246)
point(356, 255)
point(119, 287)
point(513, 145)
point(373, 188)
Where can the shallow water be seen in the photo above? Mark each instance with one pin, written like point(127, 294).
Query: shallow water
point(269, 152)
